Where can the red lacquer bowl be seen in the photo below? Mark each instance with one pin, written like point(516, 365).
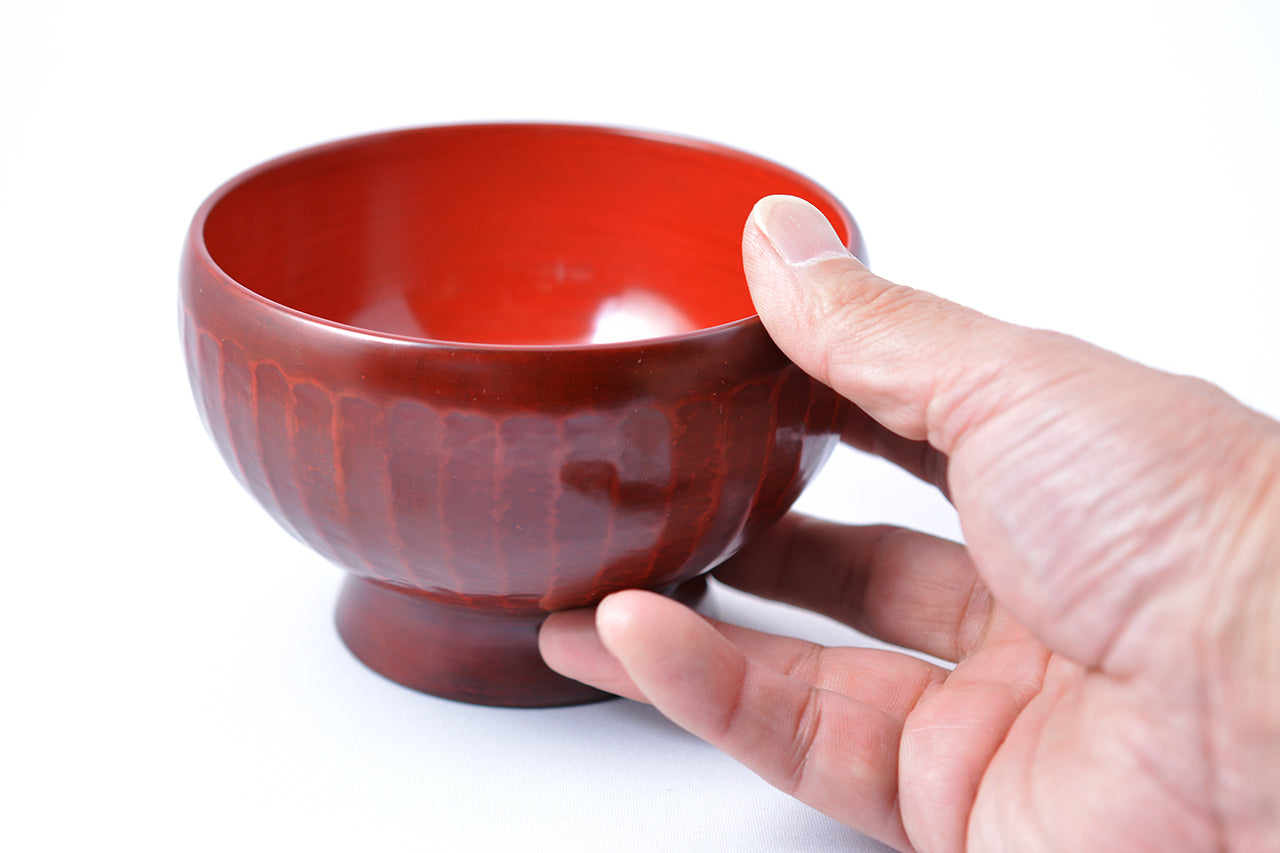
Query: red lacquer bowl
point(494, 371)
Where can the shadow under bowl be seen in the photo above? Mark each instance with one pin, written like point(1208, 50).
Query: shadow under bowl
point(494, 371)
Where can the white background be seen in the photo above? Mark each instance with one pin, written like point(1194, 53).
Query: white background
point(171, 677)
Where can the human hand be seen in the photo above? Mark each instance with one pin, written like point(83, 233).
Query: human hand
point(1114, 616)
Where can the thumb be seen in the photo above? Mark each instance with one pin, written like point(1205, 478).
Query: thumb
point(1085, 483)
point(906, 357)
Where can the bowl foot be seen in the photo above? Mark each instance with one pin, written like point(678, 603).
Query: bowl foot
point(481, 656)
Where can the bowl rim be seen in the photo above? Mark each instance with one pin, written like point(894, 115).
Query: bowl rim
point(198, 248)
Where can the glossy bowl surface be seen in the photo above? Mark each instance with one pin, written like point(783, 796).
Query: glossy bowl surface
point(498, 370)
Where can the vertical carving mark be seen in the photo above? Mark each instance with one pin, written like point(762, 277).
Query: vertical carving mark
point(529, 447)
point(311, 453)
point(741, 459)
point(414, 448)
point(641, 502)
point(466, 493)
point(825, 417)
point(365, 486)
point(782, 480)
point(273, 395)
point(698, 465)
point(772, 475)
point(208, 357)
point(583, 505)
point(239, 396)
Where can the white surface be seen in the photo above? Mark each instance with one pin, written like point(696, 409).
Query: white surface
point(171, 676)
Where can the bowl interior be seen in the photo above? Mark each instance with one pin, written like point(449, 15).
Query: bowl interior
point(503, 234)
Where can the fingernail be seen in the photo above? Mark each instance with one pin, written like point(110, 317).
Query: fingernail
point(797, 230)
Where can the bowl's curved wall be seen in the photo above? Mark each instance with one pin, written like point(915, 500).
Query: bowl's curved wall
point(520, 479)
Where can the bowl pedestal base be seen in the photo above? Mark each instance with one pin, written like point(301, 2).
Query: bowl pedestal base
point(482, 656)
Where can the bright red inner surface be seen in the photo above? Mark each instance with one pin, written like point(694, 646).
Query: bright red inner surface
point(502, 234)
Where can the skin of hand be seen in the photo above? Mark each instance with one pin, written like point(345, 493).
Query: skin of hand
point(1113, 616)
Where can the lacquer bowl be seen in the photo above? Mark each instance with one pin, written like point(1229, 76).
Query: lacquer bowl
point(494, 371)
